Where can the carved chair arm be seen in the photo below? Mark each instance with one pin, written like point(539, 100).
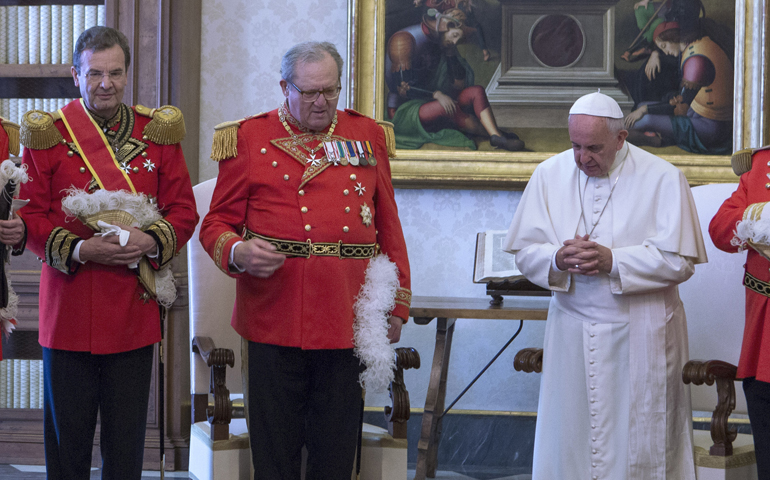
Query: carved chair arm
point(699, 372)
point(529, 360)
point(219, 414)
point(399, 412)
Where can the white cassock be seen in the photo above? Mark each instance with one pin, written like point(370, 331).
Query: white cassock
point(612, 401)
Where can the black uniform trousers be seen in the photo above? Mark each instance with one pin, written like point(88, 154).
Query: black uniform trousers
point(758, 403)
point(303, 397)
point(78, 385)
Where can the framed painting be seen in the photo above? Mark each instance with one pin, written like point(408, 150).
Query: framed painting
point(528, 61)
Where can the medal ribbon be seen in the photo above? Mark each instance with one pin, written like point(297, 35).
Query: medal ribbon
point(94, 148)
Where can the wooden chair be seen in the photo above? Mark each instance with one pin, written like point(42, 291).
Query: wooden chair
point(714, 300)
point(219, 447)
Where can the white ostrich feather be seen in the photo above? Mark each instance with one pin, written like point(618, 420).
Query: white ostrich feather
point(373, 305)
point(10, 171)
point(82, 204)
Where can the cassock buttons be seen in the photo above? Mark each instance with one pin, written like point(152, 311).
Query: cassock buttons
point(345, 192)
point(307, 228)
point(263, 151)
point(285, 177)
point(275, 164)
point(345, 229)
point(594, 451)
point(303, 209)
point(82, 169)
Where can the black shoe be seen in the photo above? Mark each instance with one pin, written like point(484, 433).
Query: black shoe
point(510, 144)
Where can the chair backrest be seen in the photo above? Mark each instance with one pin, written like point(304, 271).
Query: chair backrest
point(212, 297)
point(714, 300)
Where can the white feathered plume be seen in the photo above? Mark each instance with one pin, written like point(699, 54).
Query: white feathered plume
point(373, 305)
point(9, 171)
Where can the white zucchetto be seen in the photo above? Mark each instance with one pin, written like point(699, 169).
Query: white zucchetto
point(596, 104)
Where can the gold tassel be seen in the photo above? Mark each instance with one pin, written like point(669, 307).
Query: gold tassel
point(38, 130)
point(390, 137)
point(741, 161)
point(166, 127)
point(12, 130)
point(225, 143)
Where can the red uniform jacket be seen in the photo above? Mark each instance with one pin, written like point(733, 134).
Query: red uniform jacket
point(92, 307)
point(308, 302)
point(755, 352)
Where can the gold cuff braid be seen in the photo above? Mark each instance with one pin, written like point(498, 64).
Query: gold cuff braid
point(219, 249)
point(165, 238)
point(59, 248)
point(404, 297)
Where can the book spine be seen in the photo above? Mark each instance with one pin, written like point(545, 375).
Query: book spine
point(56, 27)
point(78, 22)
point(3, 33)
point(66, 34)
point(101, 15)
point(12, 45)
point(33, 22)
point(45, 34)
point(22, 14)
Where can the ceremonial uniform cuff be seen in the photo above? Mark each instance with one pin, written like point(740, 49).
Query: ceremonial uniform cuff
point(165, 238)
point(224, 244)
point(403, 302)
point(59, 249)
point(234, 268)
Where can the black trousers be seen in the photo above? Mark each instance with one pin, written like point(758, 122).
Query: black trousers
point(78, 385)
point(758, 402)
point(303, 397)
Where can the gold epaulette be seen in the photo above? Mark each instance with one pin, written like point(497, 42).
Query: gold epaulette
point(225, 144)
point(167, 124)
point(390, 137)
point(741, 160)
point(38, 131)
point(12, 130)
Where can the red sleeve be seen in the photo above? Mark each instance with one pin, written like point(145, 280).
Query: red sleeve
point(227, 214)
point(3, 144)
point(37, 189)
point(390, 235)
point(722, 225)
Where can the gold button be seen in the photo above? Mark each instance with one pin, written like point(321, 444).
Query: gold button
point(307, 228)
point(347, 209)
point(303, 209)
point(285, 177)
point(301, 193)
point(82, 169)
point(345, 229)
point(144, 137)
point(767, 186)
point(136, 169)
point(70, 153)
point(345, 192)
point(144, 154)
point(275, 164)
point(263, 151)
point(353, 176)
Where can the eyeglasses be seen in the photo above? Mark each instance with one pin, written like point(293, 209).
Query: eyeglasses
point(329, 93)
point(95, 76)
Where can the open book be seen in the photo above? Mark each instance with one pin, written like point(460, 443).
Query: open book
point(492, 264)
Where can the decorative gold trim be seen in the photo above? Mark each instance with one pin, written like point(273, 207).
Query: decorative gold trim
point(38, 130)
point(404, 297)
point(167, 124)
point(465, 169)
point(225, 144)
point(294, 248)
point(219, 247)
point(741, 457)
point(165, 236)
point(12, 130)
point(58, 249)
point(756, 285)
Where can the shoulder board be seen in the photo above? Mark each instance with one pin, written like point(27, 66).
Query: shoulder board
point(741, 160)
point(12, 130)
point(167, 124)
point(390, 137)
point(225, 144)
point(38, 131)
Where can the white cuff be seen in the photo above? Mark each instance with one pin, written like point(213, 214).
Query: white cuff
point(76, 252)
point(231, 262)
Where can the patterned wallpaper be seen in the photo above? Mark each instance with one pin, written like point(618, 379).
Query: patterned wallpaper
point(242, 44)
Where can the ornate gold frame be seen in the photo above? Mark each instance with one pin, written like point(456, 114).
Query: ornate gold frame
point(453, 169)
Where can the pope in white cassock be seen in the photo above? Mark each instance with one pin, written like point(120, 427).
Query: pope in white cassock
point(611, 230)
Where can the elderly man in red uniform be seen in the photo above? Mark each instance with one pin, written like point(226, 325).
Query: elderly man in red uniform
point(738, 225)
point(303, 202)
point(121, 169)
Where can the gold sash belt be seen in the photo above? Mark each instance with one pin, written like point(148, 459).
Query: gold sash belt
point(753, 283)
point(294, 248)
